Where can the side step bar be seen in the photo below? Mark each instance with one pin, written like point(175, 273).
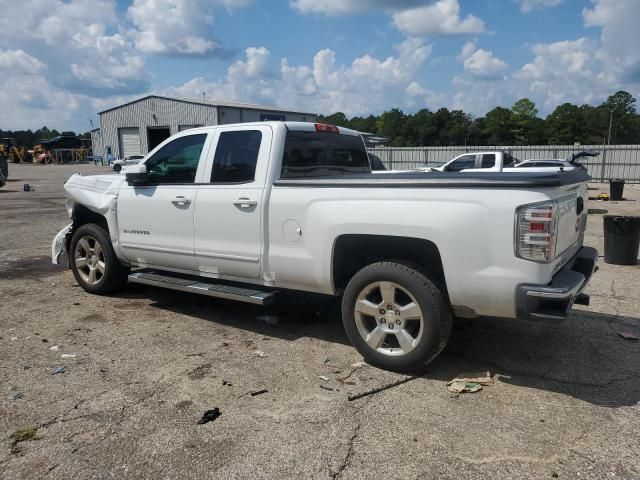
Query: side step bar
point(198, 286)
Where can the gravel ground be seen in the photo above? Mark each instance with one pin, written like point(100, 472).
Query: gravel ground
point(150, 362)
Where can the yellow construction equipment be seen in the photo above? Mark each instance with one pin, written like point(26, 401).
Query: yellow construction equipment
point(11, 152)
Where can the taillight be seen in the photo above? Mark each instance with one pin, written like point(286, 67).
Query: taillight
point(536, 231)
point(323, 127)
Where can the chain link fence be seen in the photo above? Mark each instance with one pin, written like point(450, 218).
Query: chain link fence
point(615, 161)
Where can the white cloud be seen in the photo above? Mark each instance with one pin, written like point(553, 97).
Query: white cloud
point(619, 38)
point(20, 62)
point(481, 64)
point(58, 54)
point(342, 7)
point(366, 84)
point(529, 5)
point(441, 18)
point(177, 27)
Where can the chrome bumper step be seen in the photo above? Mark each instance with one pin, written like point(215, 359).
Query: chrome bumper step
point(198, 286)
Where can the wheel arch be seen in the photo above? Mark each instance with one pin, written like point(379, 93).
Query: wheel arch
point(352, 252)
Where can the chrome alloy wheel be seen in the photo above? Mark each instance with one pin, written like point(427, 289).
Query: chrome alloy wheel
point(89, 260)
point(389, 318)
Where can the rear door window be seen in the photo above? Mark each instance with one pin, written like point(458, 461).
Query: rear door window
point(315, 154)
point(236, 157)
point(488, 160)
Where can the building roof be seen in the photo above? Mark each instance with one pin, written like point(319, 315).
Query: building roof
point(212, 103)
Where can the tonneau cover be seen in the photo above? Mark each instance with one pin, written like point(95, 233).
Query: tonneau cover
point(442, 180)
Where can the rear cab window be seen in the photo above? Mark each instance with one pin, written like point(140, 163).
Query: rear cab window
point(317, 154)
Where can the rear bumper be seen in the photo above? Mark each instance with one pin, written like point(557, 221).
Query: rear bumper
point(552, 302)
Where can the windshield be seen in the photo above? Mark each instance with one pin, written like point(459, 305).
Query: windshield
point(314, 154)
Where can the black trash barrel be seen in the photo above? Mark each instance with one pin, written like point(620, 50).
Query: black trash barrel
point(616, 187)
point(621, 239)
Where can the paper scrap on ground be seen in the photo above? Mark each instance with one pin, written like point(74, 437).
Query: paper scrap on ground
point(628, 336)
point(469, 382)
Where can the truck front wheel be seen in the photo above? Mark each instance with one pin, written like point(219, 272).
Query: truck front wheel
point(395, 316)
point(93, 261)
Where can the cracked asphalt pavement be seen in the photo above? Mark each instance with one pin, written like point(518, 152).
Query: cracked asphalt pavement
point(150, 362)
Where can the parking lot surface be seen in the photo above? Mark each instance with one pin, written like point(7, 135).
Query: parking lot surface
point(150, 362)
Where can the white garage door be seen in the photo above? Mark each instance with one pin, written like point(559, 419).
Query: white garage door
point(129, 141)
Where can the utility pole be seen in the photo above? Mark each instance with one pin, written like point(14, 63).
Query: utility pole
point(204, 96)
point(610, 124)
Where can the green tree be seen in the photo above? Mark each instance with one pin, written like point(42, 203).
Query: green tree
point(500, 126)
point(622, 117)
point(391, 125)
point(564, 125)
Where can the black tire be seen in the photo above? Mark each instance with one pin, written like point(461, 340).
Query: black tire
point(117, 167)
point(436, 315)
point(115, 274)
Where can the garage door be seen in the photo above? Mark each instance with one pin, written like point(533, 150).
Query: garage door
point(129, 142)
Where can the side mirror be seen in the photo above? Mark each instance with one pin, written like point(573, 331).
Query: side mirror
point(137, 174)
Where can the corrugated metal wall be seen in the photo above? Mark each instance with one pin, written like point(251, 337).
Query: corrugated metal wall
point(96, 142)
point(151, 112)
point(161, 112)
point(615, 161)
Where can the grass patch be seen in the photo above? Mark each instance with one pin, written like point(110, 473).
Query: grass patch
point(22, 435)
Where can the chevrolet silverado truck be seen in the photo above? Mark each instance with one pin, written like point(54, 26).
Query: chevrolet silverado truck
point(245, 211)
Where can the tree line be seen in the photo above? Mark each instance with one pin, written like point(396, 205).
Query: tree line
point(29, 138)
point(614, 121)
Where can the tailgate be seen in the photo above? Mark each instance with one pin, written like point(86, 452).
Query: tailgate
point(571, 220)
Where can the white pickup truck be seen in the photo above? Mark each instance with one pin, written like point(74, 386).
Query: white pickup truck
point(503, 161)
point(244, 211)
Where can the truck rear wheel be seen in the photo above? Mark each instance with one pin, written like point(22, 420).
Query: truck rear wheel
point(93, 261)
point(395, 316)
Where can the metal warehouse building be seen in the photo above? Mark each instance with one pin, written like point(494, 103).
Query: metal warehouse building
point(137, 127)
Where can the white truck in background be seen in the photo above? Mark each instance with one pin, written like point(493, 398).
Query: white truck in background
point(503, 161)
point(244, 211)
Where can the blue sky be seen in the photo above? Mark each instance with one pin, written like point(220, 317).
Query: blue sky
point(68, 59)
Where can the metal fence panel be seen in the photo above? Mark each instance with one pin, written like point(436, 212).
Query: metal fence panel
point(615, 161)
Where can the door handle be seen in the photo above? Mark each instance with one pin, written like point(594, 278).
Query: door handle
point(180, 200)
point(244, 202)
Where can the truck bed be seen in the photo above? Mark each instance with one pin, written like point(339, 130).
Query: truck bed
point(442, 180)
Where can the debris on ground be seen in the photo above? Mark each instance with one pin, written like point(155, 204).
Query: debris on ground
point(628, 336)
point(69, 355)
point(55, 348)
point(57, 370)
point(464, 387)
point(324, 387)
point(22, 435)
point(469, 382)
point(324, 378)
point(357, 396)
point(255, 393)
point(209, 416)
point(226, 383)
point(354, 366)
point(15, 395)
point(259, 353)
point(269, 319)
